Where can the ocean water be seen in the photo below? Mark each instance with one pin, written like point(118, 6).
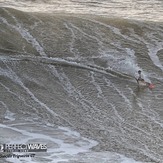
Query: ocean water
point(67, 79)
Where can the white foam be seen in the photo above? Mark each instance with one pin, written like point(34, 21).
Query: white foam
point(72, 43)
point(76, 150)
point(9, 115)
point(71, 90)
point(24, 33)
point(102, 157)
point(13, 76)
point(62, 150)
point(110, 84)
point(153, 54)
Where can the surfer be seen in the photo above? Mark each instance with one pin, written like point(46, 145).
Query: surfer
point(142, 82)
point(140, 78)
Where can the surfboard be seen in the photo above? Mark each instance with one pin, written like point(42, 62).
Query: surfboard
point(145, 84)
point(151, 86)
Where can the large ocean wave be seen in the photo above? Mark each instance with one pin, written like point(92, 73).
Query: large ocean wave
point(77, 71)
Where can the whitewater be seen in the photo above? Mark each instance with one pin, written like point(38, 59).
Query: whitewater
point(67, 80)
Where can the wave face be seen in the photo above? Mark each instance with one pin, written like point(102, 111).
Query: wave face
point(78, 71)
